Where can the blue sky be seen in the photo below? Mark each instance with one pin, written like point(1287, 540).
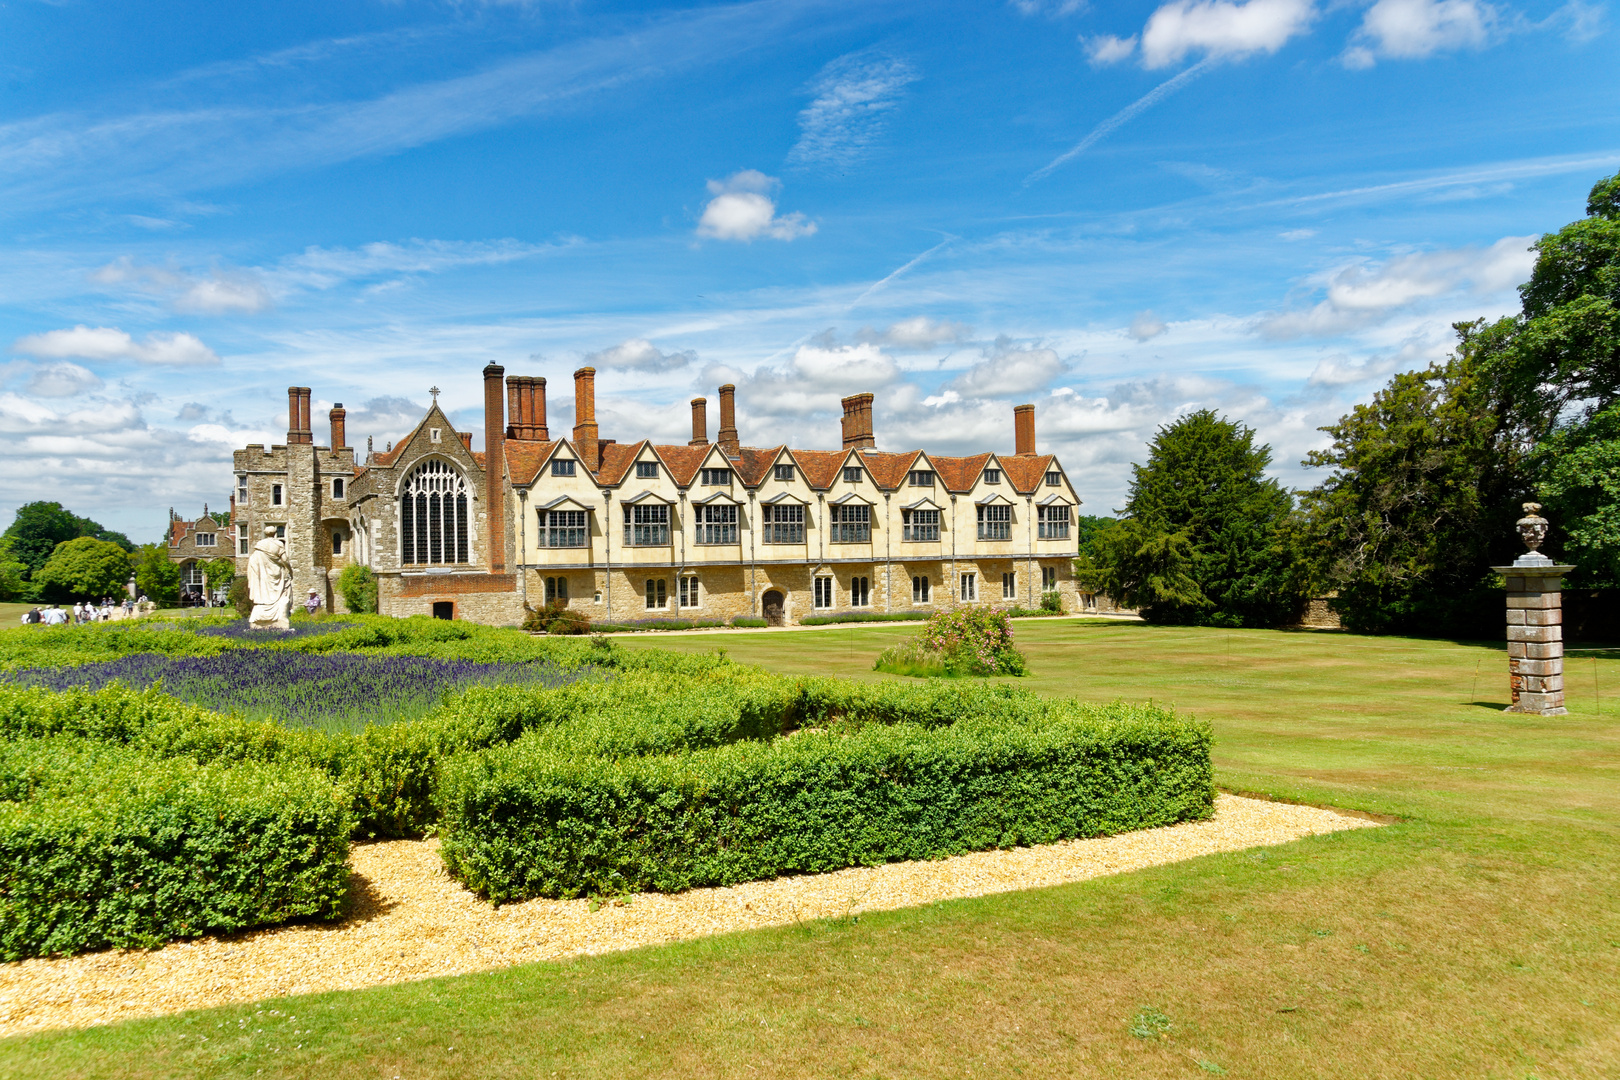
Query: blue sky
point(1118, 212)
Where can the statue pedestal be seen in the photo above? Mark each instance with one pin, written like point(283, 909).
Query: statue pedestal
point(1535, 634)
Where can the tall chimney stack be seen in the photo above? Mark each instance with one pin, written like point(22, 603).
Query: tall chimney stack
point(514, 407)
point(858, 421)
point(585, 418)
point(1024, 429)
point(298, 415)
point(700, 422)
point(730, 445)
point(339, 434)
point(535, 411)
point(495, 467)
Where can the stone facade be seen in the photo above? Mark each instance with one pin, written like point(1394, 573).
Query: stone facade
point(624, 531)
point(195, 543)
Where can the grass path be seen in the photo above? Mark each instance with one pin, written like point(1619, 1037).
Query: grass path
point(1478, 937)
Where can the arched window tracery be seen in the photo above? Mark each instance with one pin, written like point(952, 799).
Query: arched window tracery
point(433, 515)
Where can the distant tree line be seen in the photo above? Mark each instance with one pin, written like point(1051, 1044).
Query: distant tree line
point(49, 554)
point(1423, 483)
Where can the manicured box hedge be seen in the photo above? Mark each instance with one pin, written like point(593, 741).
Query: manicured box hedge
point(538, 818)
point(103, 846)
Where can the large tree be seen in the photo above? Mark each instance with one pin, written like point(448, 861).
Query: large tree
point(1206, 536)
point(40, 526)
point(157, 577)
point(84, 569)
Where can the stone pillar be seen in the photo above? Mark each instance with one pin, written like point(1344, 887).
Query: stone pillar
point(1535, 623)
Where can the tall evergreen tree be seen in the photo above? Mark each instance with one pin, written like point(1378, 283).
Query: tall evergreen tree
point(1207, 536)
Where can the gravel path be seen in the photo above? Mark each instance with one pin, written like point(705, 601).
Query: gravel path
point(410, 921)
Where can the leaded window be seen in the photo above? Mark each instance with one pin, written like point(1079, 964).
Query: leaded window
point(646, 470)
point(1054, 479)
point(1049, 579)
point(716, 477)
point(563, 528)
point(657, 594)
point(824, 592)
point(433, 515)
point(920, 593)
point(717, 524)
point(689, 592)
point(992, 476)
point(852, 474)
point(860, 592)
point(782, 523)
point(970, 587)
point(1009, 586)
point(205, 539)
point(919, 525)
point(784, 472)
point(995, 522)
point(562, 467)
point(922, 478)
point(556, 590)
point(1052, 522)
point(851, 524)
point(646, 525)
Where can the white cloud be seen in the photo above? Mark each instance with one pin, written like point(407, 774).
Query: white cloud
point(1219, 28)
point(853, 96)
point(1413, 29)
point(63, 379)
point(221, 293)
point(918, 332)
point(858, 367)
point(639, 354)
point(1049, 7)
point(1296, 234)
point(1007, 369)
point(1105, 49)
point(1363, 293)
point(1146, 326)
point(110, 343)
point(740, 210)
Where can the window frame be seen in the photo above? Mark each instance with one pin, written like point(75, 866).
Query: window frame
point(1054, 478)
point(996, 524)
point(646, 470)
point(435, 515)
point(860, 591)
point(578, 524)
point(921, 478)
point(338, 487)
point(853, 474)
point(660, 593)
point(856, 530)
point(774, 531)
point(649, 533)
point(563, 467)
point(910, 527)
point(689, 592)
point(824, 592)
point(969, 592)
point(716, 524)
point(714, 478)
point(1049, 579)
point(1009, 585)
point(783, 473)
point(557, 589)
point(921, 591)
point(277, 495)
point(205, 539)
point(1048, 526)
point(991, 476)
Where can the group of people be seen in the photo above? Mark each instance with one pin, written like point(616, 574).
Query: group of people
point(86, 612)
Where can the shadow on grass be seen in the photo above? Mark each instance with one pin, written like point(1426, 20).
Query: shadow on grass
point(1497, 705)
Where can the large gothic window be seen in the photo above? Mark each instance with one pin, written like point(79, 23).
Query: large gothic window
point(433, 515)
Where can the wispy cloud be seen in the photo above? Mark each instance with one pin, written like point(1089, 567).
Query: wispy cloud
point(853, 98)
point(221, 292)
point(110, 343)
point(1413, 29)
point(1121, 118)
point(639, 354)
point(64, 157)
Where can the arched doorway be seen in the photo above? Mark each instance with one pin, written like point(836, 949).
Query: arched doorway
point(773, 608)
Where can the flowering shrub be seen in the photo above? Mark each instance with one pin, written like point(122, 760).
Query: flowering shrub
point(966, 641)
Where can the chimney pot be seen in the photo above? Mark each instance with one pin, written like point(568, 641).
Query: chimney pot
point(339, 427)
point(1024, 429)
point(700, 422)
point(536, 414)
point(730, 444)
point(514, 407)
point(494, 466)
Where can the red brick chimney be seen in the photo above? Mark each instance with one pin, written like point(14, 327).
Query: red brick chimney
point(700, 422)
point(858, 421)
point(729, 443)
point(495, 468)
point(514, 407)
point(339, 435)
point(1024, 429)
point(534, 410)
point(585, 418)
point(298, 415)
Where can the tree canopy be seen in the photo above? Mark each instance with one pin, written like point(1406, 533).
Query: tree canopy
point(1206, 535)
point(84, 568)
point(40, 526)
point(156, 576)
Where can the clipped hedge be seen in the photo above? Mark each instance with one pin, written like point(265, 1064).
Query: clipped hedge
point(863, 616)
point(104, 846)
point(539, 818)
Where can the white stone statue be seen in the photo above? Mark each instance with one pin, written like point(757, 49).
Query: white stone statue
point(270, 583)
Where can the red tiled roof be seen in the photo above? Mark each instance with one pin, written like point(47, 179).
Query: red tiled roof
point(755, 462)
point(1026, 471)
point(889, 471)
point(959, 473)
point(683, 462)
point(820, 466)
point(525, 458)
point(616, 461)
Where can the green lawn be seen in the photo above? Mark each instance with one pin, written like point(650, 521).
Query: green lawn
point(1477, 937)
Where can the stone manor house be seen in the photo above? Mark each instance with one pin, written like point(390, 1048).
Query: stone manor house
point(621, 531)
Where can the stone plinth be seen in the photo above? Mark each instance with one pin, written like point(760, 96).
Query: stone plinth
point(1535, 634)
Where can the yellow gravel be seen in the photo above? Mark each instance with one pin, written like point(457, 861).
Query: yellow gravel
point(410, 921)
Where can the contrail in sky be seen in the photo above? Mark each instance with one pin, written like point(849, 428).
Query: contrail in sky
point(876, 285)
point(1128, 113)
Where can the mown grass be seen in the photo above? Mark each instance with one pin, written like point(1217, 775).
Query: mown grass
point(1479, 936)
